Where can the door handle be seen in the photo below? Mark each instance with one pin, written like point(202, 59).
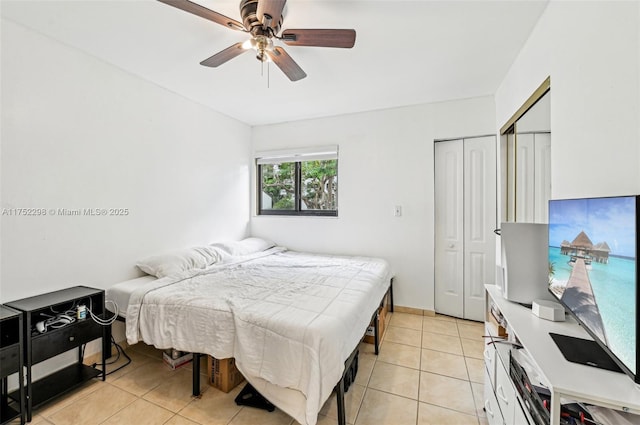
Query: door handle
point(501, 395)
point(487, 408)
point(487, 356)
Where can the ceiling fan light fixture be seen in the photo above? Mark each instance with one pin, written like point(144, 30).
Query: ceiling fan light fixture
point(263, 19)
point(249, 44)
point(263, 46)
point(263, 42)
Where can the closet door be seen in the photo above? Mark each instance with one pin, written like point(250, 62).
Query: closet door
point(449, 232)
point(479, 221)
point(542, 177)
point(533, 182)
point(525, 184)
point(465, 216)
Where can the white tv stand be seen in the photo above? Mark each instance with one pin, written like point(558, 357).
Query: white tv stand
point(569, 381)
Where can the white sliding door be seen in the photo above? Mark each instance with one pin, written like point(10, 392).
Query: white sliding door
point(525, 165)
point(465, 217)
point(542, 177)
point(533, 177)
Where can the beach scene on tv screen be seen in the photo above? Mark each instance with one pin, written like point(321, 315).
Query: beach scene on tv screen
point(592, 267)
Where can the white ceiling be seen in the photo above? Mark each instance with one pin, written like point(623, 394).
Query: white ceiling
point(406, 52)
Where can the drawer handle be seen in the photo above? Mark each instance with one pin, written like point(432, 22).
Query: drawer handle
point(487, 408)
point(501, 394)
point(72, 338)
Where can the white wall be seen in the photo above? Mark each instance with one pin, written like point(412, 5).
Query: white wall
point(591, 50)
point(385, 159)
point(80, 133)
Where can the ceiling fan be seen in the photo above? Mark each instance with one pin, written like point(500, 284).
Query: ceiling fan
point(263, 20)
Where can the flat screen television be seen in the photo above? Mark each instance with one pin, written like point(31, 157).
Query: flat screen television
point(593, 273)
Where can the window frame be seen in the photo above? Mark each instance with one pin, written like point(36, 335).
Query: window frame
point(298, 211)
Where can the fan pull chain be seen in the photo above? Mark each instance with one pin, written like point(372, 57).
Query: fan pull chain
point(268, 72)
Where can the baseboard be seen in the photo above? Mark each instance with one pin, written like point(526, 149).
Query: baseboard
point(411, 310)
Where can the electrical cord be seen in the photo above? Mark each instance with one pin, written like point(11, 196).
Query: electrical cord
point(120, 351)
point(73, 314)
point(62, 319)
point(58, 321)
point(107, 322)
point(99, 320)
point(114, 361)
point(72, 309)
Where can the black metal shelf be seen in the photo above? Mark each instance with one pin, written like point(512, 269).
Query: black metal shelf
point(7, 413)
point(59, 383)
point(11, 363)
point(40, 346)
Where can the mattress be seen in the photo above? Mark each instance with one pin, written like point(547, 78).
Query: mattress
point(290, 319)
point(121, 292)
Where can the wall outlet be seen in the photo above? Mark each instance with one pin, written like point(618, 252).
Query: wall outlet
point(397, 211)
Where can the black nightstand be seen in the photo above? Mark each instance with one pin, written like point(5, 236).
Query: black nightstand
point(40, 346)
point(11, 362)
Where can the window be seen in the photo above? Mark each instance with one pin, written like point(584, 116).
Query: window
point(298, 183)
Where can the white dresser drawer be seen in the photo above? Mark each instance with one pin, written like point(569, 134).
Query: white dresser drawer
point(520, 417)
point(505, 393)
point(490, 359)
point(490, 364)
point(491, 407)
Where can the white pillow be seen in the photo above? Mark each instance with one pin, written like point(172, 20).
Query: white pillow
point(244, 247)
point(199, 257)
point(120, 293)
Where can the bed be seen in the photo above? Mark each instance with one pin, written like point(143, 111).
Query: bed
point(291, 320)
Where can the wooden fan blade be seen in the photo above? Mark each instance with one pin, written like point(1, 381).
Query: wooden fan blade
point(224, 56)
point(205, 13)
point(271, 8)
point(320, 38)
point(286, 64)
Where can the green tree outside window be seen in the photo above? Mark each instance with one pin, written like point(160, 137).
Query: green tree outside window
point(299, 187)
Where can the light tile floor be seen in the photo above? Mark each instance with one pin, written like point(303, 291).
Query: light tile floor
point(429, 372)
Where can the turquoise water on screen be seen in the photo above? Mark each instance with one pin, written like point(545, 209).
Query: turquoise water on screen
point(614, 288)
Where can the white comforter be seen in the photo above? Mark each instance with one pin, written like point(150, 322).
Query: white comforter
point(290, 319)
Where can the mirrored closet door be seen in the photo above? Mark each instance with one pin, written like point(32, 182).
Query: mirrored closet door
point(526, 161)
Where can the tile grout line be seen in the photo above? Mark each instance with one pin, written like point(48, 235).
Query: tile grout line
point(473, 399)
point(419, 371)
point(123, 407)
point(358, 405)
